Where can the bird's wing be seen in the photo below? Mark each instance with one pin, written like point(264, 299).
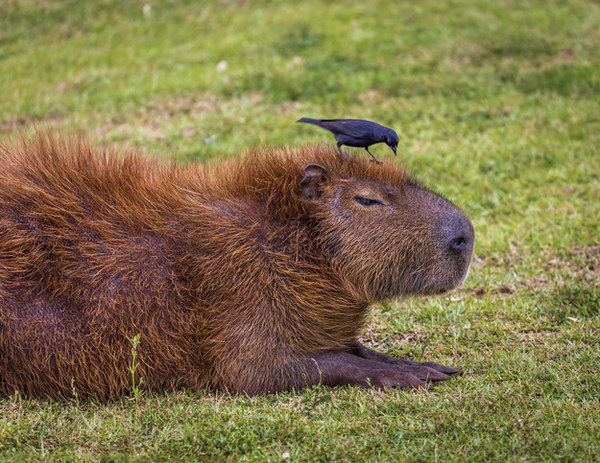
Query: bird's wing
point(351, 127)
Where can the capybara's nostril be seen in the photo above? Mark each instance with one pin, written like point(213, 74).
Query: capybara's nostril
point(459, 244)
point(460, 235)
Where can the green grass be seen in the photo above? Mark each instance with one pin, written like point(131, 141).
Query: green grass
point(497, 105)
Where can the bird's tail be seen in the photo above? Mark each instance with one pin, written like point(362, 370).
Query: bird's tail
point(308, 120)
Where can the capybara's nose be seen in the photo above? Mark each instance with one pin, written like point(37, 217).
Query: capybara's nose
point(460, 236)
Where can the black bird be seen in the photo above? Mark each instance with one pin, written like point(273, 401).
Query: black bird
point(357, 133)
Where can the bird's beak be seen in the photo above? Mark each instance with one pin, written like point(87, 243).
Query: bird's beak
point(394, 149)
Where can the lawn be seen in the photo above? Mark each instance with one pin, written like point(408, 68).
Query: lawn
point(497, 105)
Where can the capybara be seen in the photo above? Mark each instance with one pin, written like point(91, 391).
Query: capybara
point(253, 275)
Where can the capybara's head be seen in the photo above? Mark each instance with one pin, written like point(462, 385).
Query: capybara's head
point(389, 234)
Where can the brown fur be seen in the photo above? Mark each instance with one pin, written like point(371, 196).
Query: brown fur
point(231, 275)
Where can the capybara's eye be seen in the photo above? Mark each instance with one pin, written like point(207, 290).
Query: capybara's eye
point(367, 201)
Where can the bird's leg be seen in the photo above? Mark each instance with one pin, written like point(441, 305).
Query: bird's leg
point(374, 158)
point(344, 154)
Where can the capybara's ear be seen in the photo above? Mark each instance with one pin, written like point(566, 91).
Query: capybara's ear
point(314, 177)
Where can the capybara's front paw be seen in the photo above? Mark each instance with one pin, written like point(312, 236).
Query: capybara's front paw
point(426, 371)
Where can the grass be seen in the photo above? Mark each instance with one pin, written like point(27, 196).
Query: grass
point(497, 106)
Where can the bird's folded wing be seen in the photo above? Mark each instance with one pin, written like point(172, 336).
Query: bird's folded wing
point(347, 127)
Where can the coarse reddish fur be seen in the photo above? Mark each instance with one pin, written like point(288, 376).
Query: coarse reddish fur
point(232, 277)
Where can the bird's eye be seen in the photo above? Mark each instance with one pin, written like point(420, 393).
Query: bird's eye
point(367, 201)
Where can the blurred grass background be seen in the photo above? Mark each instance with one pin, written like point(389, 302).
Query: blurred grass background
point(497, 107)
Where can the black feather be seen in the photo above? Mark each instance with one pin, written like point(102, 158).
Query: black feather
point(356, 132)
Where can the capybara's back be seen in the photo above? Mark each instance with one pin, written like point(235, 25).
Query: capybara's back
point(252, 275)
